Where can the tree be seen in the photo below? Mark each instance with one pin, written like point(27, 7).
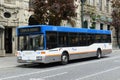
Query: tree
point(116, 18)
point(52, 12)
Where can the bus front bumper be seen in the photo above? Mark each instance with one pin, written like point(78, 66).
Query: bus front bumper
point(20, 60)
point(29, 61)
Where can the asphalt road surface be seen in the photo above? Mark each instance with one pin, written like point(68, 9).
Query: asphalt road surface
point(106, 68)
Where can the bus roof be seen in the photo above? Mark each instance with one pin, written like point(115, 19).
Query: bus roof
point(45, 28)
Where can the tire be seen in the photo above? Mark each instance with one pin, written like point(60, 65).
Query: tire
point(99, 54)
point(64, 59)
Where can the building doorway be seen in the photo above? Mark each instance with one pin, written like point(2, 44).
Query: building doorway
point(8, 40)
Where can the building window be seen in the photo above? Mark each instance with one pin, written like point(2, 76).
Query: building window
point(26, 5)
point(108, 27)
point(0, 39)
point(31, 4)
point(99, 3)
point(10, 1)
point(85, 24)
point(91, 2)
point(93, 25)
point(7, 14)
point(107, 5)
point(101, 26)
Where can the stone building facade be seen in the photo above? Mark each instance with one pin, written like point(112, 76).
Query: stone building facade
point(96, 14)
point(13, 13)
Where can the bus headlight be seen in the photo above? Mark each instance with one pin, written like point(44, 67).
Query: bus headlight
point(19, 57)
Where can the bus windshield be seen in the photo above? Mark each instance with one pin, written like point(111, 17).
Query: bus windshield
point(30, 42)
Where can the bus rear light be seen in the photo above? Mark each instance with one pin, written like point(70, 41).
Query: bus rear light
point(42, 52)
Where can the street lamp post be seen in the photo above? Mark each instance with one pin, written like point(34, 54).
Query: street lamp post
point(82, 12)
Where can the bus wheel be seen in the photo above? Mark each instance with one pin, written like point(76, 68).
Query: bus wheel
point(99, 54)
point(64, 58)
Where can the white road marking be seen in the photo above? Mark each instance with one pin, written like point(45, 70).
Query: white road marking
point(54, 75)
point(32, 73)
point(63, 67)
point(92, 75)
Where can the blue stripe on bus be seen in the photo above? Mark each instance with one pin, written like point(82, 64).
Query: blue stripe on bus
point(70, 29)
point(45, 28)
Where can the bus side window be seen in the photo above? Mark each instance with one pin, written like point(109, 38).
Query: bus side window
point(73, 39)
point(51, 40)
point(62, 39)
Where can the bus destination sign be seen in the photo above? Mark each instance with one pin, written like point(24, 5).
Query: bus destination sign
point(29, 30)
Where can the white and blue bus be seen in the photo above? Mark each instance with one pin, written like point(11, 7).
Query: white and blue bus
point(46, 43)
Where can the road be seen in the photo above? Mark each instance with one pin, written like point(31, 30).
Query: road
point(106, 68)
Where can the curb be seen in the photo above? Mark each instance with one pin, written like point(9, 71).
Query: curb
point(7, 66)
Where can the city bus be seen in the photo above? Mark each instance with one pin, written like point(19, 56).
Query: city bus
point(47, 43)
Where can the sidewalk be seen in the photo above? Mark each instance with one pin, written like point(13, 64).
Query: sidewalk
point(8, 62)
point(12, 61)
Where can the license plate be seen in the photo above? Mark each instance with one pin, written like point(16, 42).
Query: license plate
point(28, 53)
point(29, 61)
